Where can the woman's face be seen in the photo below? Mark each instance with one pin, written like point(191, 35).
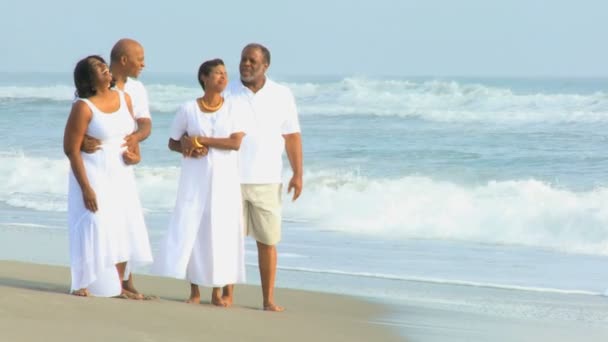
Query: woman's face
point(101, 72)
point(217, 79)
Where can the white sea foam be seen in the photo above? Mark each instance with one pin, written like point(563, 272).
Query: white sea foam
point(442, 101)
point(521, 212)
point(53, 93)
point(437, 281)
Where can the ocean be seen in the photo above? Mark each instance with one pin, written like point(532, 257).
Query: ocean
point(409, 184)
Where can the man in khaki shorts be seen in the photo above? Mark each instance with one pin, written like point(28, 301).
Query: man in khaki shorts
point(275, 128)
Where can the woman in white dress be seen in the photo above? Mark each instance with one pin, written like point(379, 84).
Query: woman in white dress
point(102, 196)
point(205, 240)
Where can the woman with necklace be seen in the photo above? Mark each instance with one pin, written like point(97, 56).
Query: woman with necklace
point(205, 240)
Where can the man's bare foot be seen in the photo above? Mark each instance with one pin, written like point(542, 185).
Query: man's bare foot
point(273, 307)
point(81, 293)
point(194, 300)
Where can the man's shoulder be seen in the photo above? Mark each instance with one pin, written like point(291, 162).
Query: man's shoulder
point(133, 84)
point(277, 87)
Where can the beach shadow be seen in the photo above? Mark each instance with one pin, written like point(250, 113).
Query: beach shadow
point(34, 285)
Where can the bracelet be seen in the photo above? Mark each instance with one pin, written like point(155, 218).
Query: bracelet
point(196, 143)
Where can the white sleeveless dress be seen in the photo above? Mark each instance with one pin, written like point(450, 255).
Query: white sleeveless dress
point(117, 231)
point(205, 240)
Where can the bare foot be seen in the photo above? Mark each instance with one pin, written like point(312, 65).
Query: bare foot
point(217, 301)
point(194, 300)
point(81, 293)
point(227, 300)
point(131, 295)
point(274, 308)
point(131, 289)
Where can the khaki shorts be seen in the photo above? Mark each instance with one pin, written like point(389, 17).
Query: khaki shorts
point(262, 212)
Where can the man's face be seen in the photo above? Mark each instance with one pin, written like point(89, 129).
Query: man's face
point(252, 66)
point(135, 61)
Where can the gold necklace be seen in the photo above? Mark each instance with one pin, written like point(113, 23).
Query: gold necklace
point(209, 108)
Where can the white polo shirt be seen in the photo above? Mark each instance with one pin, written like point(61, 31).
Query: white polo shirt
point(139, 98)
point(273, 111)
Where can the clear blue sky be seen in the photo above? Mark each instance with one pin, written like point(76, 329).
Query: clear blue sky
point(340, 37)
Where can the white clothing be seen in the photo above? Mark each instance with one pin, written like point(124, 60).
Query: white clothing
point(141, 110)
point(117, 231)
point(205, 239)
point(139, 98)
point(274, 114)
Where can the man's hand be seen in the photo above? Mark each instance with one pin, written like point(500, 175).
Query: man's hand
point(131, 142)
point(90, 144)
point(132, 156)
point(296, 184)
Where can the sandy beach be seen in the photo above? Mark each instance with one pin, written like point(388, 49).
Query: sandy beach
point(34, 306)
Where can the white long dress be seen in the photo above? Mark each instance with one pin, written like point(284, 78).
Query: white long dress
point(117, 231)
point(205, 240)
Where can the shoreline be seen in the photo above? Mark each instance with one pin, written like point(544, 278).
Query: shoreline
point(35, 305)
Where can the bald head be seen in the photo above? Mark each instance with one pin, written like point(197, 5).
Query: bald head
point(127, 59)
point(124, 47)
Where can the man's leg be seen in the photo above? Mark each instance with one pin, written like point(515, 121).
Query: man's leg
point(267, 261)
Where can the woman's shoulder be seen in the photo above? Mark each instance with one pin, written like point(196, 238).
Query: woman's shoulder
point(188, 107)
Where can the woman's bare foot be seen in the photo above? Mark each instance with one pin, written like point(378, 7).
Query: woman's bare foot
point(227, 294)
point(195, 295)
point(81, 293)
point(194, 300)
point(216, 297)
point(217, 301)
point(130, 295)
point(273, 307)
point(227, 300)
point(128, 286)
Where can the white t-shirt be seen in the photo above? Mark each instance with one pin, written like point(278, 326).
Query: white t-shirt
point(273, 111)
point(139, 98)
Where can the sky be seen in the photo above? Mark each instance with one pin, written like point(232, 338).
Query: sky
point(504, 38)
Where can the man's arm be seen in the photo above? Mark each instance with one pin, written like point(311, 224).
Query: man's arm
point(144, 128)
point(293, 146)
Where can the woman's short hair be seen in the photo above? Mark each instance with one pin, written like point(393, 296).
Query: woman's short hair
point(205, 69)
point(84, 74)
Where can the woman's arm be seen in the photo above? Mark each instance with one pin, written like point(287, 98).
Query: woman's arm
point(75, 129)
point(185, 147)
point(231, 143)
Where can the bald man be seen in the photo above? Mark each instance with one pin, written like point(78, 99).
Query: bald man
point(126, 64)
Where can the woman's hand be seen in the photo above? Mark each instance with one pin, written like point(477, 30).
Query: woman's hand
point(89, 198)
point(190, 150)
point(199, 152)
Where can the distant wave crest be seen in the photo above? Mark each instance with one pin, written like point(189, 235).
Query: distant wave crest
point(441, 101)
